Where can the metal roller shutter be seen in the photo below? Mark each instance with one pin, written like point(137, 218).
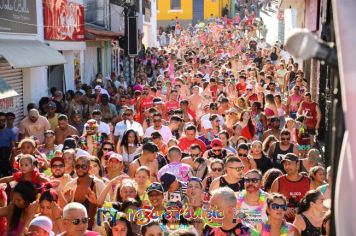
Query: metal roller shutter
point(14, 78)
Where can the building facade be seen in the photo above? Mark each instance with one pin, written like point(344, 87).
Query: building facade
point(189, 11)
point(24, 56)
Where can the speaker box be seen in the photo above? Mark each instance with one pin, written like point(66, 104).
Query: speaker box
point(132, 36)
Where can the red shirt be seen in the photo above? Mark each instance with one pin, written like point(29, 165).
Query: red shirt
point(293, 191)
point(241, 89)
point(145, 103)
point(184, 144)
point(310, 109)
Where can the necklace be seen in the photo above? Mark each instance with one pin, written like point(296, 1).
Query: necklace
point(261, 201)
point(266, 229)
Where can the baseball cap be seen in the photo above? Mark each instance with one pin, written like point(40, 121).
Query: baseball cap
point(232, 110)
point(207, 124)
point(290, 157)
point(314, 155)
point(44, 223)
point(249, 86)
point(166, 180)
point(216, 143)
point(69, 143)
point(52, 104)
point(155, 186)
point(157, 100)
point(150, 146)
point(116, 156)
point(97, 87)
point(196, 179)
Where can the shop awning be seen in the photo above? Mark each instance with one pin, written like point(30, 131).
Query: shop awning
point(93, 33)
point(29, 53)
point(6, 91)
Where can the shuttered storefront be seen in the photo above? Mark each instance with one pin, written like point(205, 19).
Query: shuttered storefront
point(13, 77)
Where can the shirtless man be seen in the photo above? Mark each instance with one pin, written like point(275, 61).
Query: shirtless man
point(64, 129)
point(195, 101)
point(147, 158)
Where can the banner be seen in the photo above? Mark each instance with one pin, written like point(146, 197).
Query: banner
point(63, 20)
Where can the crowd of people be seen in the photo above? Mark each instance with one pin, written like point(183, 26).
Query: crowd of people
point(214, 137)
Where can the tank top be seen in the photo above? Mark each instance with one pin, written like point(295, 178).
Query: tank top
point(236, 187)
point(310, 229)
point(293, 191)
point(311, 114)
point(278, 155)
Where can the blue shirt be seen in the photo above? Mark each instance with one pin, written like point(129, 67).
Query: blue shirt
point(7, 136)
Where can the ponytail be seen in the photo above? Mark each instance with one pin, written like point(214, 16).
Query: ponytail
point(305, 202)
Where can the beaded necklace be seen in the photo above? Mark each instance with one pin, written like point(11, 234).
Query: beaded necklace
point(266, 229)
point(261, 201)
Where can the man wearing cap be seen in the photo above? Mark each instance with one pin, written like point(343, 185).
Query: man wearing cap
point(52, 116)
point(148, 159)
point(207, 132)
point(313, 159)
point(175, 166)
point(213, 110)
point(250, 94)
point(155, 194)
point(293, 185)
point(115, 166)
point(58, 175)
point(175, 190)
point(34, 125)
point(40, 226)
point(189, 139)
point(159, 105)
point(64, 129)
point(217, 150)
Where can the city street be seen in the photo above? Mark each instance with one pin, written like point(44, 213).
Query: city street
point(151, 118)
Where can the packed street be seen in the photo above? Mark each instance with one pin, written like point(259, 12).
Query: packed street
point(162, 124)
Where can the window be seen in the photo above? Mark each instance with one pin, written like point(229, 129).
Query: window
point(175, 4)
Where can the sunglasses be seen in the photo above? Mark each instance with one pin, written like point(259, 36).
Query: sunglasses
point(216, 169)
point(240, 168)
point(155, 121)
point(252, 180)
point(242, 155)
point(276, 206)
point(216, 150)
point(84, 220)
point(90, 128)
point(126, 114)
point(107, 149)
point(285, 139)
point(57, 166)
point(83, 166)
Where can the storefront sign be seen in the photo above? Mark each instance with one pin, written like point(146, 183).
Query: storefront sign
point(6, 103)
point(18, 16)
point(63, 20)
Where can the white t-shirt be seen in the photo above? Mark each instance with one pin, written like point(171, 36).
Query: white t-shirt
point(103, 128)
point(122, 126)
point(165, 131)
